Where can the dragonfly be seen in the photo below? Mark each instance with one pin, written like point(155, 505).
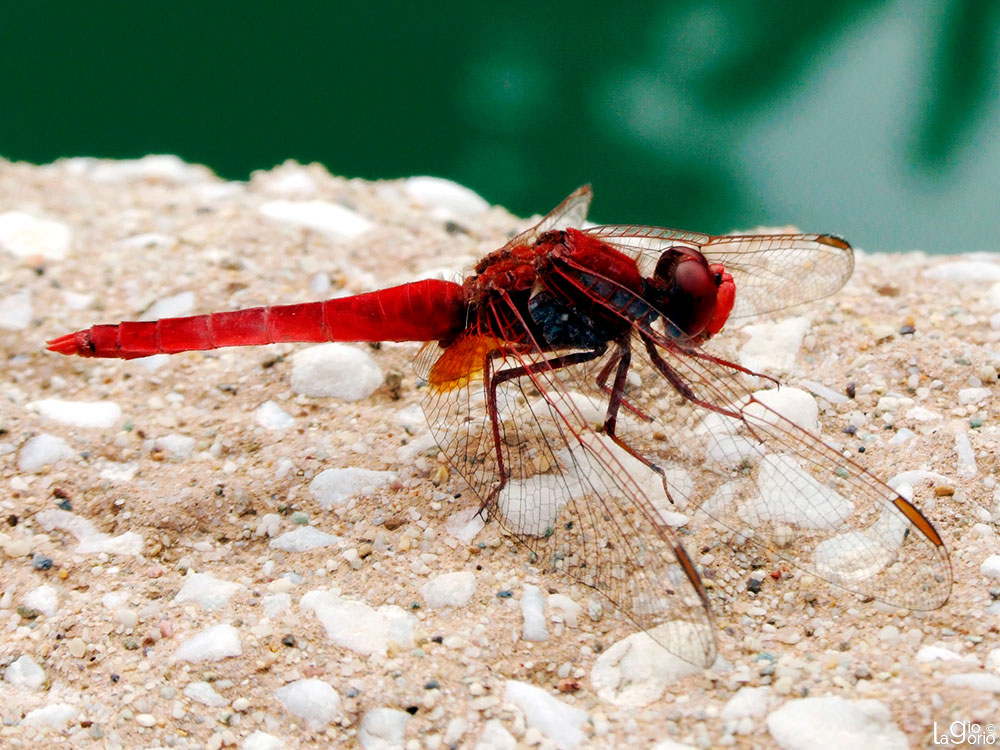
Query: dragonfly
point(569, 380)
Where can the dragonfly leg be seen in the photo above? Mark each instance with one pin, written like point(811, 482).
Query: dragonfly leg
point(502, 376)
point(732, 365)
point(602, 383)
point(685, 390)
point(682, 387)
point(623, 358)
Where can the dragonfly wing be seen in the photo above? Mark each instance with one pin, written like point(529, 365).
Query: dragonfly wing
point(573, 498)
point(771, 272)
point(454, 404)
point(770, 480)
point(570, 213)
point(779, 484)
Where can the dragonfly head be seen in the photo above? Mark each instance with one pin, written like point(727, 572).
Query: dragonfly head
point(691, 294)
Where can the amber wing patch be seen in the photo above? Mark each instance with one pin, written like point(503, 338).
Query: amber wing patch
point(462, 362)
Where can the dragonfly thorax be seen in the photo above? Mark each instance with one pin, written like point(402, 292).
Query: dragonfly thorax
point(559, 324)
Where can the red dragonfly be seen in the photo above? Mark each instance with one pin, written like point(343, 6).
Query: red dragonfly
point(567, 382)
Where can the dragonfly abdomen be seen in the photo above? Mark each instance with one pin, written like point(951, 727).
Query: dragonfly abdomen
point(429, 310)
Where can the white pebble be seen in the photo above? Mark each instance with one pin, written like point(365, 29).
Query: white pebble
point(153, 167)
point(211, 644)
point(892, 403)
point(281, 585)
point(335, 370)
point(16, 548)
point(988, 683)
point(747, 702)
point(465, 523)
point(54, 715)
point(968, 396)
point(991, 567)
point(313, 700)
point(179, 447)
point(356, 626)
point(269, 525)
point(411, 418)
point(114, 599)
point(905, 481)
point(793, 404)
point(790, 494)
point(533, 613)
point(23, 672)
point(449, 589)
point(834, 723)
point(993, 661)
point(889, 635)
point(921, 414)
point(335, 487)
point(262, 741)
point(145, 720)
point(994, 295)
point(203, 692)
point(42, 450)
point(78, 413)
point(274, 605)
point(319, 284)
point(127, 617)
point(966, 463)
point(270, 416)
point(902, 436)
point(496, 737)
point(16, 311)
point(91, 541)
point(285, 467)
point(637, 670)
point(149, 241)
point(323, 216)
point(449, 198)
point(174, 306)
point(937, 653)
point(454, 731)
point(558, 721)
point(383, 729)
point(44, 598)
point(304, 538)
point(827, 394)
point(566, 607)
point(772, 346)
point(153, 362)
point(287, 179)
point(964, 270)
point(119, 473)
point(207, 590)
point(23, 235)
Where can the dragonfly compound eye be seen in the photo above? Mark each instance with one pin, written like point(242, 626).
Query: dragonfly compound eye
point(684, 289)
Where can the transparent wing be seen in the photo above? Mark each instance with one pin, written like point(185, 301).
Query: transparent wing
point(580, 504)
point(767, 479)
point(771, 271)
point(570, 213)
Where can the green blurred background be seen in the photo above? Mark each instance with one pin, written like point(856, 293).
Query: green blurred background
point(875, 120)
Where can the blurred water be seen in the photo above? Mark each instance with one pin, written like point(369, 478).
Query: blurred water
point(877, 121)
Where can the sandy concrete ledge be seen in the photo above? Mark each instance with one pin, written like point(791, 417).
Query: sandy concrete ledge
point(143, 502)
